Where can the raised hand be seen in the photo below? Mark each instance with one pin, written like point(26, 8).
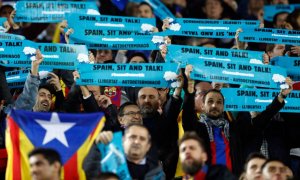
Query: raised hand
point(36, 63)
point(104, 137)
point(54, 80)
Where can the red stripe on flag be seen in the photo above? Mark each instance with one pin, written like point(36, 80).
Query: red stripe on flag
point(213, 153)
point(227, 151)
point(70, 168)
point(15, 140)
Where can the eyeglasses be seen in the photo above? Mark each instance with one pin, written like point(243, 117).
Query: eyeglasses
point(131, 113)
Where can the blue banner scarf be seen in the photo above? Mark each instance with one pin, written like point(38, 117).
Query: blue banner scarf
point(58, 56)
point(2, 20)
point(291, 64)
point(238, 73)
point(63, 56)
point(247, 99)
point(180, 54)
point(127, 43)
point(17, 53)
point(99, 22)
point(130, 75)
point(272, 36)
point(113, 158)
point(7, 36)
point(16, 79)
point(271, 10)
point(51, 11)
point(208, 28)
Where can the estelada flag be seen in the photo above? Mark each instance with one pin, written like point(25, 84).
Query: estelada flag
point(71, 135)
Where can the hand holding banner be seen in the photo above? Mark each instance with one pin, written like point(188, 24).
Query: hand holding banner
point(113, 157)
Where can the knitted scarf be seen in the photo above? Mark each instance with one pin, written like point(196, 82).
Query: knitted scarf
point(210, 123)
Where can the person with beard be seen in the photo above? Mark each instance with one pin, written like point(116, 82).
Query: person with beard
point(136, 144)
point(45, 93)
point(224, 140)
point(36, 96)
point(193, 157)
point(162, 125)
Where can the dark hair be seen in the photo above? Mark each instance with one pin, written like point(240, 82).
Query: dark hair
point(137, 125)
point(106, 175)
point(192, 135)
point(271, 160)
point(113, 53)
point(292, 19)
point(213, 91)
point(140, 54)
point(277, 14)
point(254, 155)
point(51, 155)
point(270, 47)
point(47, 86)
point(5, 6)
point(123, 106)
point(147, 4)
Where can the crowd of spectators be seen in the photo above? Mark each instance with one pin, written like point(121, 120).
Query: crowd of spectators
point(168, 133)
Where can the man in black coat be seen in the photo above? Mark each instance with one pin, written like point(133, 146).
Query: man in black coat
point(224, 139)
point(162, 125)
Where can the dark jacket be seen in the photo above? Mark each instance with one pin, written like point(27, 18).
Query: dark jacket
point(92, 166)
point(213, 172)
point(164, 131)
point(219, 172)
point(236, 130)
point(281, 135)
point(4, 89)
point(111, 113)
point(164, 135)
point(155, 170)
